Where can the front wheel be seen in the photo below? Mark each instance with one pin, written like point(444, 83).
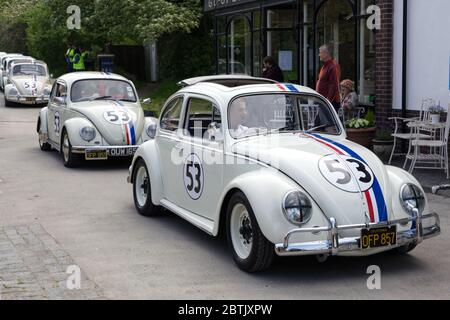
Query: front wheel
point(251, 251)
point(406, 249)
point(70, 160)
point(7, 102)
point(142, 191)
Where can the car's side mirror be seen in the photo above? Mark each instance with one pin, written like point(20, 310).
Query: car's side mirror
point(51, 75)
point(147, 101)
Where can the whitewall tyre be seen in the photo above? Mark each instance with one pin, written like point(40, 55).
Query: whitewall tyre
point(70, 160)
point(142, 191)
point(251, 251)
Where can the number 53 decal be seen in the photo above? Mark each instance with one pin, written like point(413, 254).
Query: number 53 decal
point(346, 173)
point(193, 176)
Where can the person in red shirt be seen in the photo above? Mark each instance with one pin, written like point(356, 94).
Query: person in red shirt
point(329, 77)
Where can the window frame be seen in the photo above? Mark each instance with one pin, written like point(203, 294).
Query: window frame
point(165, 109)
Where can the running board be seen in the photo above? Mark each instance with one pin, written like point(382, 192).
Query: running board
point(198, 221)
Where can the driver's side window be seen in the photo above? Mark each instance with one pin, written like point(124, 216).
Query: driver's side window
point(59, 94)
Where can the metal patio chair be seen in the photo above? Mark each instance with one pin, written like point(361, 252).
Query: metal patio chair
point(437, 156)
point(408, 136)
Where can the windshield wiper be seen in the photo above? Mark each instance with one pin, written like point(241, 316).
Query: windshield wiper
point(103, 98)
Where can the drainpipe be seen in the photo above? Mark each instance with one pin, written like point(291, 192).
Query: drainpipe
point(404, 65)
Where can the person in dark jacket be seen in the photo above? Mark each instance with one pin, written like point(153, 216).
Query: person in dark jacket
point(272, 70)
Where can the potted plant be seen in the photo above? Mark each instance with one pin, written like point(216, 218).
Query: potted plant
point(362, 131)
point(435, 113)
point(383, 144)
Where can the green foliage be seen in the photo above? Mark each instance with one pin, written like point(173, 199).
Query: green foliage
point(370, 117)
point(186, 55)
point(383, 135)
point(160, 95)
point(103, 22)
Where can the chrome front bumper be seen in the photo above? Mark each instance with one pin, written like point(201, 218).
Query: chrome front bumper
point(112, 151)
point(335, 245)
point(30, 100)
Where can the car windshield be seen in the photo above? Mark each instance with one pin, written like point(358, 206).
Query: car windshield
point(29, 70)
point(274, 113)
point(92, 89)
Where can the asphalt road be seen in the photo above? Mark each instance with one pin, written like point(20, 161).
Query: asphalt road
point(89, 211)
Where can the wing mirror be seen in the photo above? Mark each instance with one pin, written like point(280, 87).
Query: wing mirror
point(147, 101)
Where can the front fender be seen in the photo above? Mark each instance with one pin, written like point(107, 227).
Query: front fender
point(398, 177)
point(265, 189)
point(149, 152)
point(42, 124)
point(73, 127)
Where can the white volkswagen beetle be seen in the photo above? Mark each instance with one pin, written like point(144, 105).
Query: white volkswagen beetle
point(269, 164)
point(28, 83)
point(93, 116)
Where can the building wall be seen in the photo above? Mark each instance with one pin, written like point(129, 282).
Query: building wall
point(384, 63)
point(428, 67)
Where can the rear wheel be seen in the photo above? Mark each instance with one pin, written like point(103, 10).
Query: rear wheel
point(142, 193)
point(252, 252)
point(70, 160)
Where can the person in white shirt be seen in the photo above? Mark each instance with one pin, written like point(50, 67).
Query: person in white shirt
point(238, 116)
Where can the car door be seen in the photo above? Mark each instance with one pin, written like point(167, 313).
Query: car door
point(56, 110)
point(203, 156)
point(169, 145)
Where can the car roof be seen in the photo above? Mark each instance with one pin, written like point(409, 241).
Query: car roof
point(70, 78)
point(224, 94)
point(226, 80)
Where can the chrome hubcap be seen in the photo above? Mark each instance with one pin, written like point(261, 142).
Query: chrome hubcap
point(142, 185)
point(66, 148)
point(241, 231)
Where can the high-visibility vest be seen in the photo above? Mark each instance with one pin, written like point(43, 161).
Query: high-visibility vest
point(70, 54)
point(80, 64)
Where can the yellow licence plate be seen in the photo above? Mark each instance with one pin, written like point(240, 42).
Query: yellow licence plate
point(378, 237)
point(96, 155)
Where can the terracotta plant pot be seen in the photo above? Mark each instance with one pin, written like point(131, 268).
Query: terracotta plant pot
point(363, 137)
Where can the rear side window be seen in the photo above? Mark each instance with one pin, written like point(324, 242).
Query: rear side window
point(171, 117)
point(201, 115)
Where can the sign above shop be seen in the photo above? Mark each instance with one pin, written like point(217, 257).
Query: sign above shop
point(219, 4)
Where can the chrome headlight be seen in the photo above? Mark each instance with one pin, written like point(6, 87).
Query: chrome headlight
point(297, 208)
point(411, 197)
point(151, 131)
point(87, 134)
point(13, 92)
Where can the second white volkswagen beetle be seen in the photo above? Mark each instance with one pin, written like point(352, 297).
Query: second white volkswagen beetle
point(93, 116)
point(269, 164)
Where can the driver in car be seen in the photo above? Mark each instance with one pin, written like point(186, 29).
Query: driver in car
point(238, 116)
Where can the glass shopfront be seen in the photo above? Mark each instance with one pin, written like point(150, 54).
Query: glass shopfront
point(291, 31)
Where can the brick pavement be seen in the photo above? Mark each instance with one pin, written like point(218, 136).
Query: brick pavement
point(33, 266)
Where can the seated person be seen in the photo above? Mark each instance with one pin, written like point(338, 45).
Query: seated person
point(116, 93)
point(238, 116)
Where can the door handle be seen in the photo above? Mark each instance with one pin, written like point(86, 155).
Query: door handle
point(178, 147)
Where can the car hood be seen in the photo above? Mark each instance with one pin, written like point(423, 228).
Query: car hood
point(31, 85)
point(305, 159)
point(108, 116)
